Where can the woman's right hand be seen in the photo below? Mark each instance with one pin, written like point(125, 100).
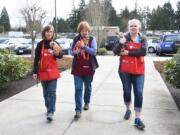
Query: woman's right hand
point(35, 77)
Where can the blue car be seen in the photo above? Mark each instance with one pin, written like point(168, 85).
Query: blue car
point(169, 44)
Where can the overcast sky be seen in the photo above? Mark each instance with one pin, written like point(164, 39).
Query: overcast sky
point(64, 7)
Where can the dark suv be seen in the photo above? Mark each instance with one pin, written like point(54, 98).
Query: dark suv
point(169, 44)
point(111, 42)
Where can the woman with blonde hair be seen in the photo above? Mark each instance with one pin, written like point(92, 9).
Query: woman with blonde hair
point(132, 49)
point(84, 63)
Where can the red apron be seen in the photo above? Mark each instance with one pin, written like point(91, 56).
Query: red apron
point(48, 68)
point(132, 64)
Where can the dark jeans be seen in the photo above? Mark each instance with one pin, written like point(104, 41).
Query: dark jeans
point(137, 81)
point(78, 82)
point(49, 93)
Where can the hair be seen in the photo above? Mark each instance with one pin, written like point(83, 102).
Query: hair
point(82, 25)
point(45, 29)
point(136, 21)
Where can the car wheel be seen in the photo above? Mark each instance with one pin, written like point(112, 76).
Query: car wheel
point(151, 50)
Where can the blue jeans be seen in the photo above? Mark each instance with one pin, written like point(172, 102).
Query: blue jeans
point(49, 93)
point(137, 81)
point(78, 82)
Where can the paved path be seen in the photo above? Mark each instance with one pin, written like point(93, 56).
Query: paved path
point(24, 113)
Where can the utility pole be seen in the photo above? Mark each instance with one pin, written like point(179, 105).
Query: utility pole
point(56, 29)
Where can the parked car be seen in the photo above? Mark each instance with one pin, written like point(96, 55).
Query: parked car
point(111, 42)
point(169, 44)
point(152, 44)
point(24, 47)
point(9, 43)
point(65, 43)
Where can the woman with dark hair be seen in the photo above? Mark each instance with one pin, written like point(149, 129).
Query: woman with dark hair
point(84, 63)
point(132, 49)
point(46, 68)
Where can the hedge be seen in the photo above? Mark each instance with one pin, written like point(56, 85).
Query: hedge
point(12, 67)
point(172, 70)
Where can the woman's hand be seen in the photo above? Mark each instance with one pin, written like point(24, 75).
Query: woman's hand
point(35, 77)
point(124, 52)
point(82, 44)
point(56, 49)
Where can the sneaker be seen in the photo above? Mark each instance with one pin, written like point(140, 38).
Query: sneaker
point(127, 114)
point(139, 124)
point(77, 115)
point(50, 117)
point(86, 107)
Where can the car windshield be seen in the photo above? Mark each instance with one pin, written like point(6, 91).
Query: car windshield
point(3, 40)
point(172, 38)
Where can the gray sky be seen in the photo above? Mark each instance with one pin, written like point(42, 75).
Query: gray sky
point(64, 7)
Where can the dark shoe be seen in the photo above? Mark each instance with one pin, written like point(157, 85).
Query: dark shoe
point(77, 115)
point(86, 107)
point(50, 117)
point(139, 124)
point(127, 114)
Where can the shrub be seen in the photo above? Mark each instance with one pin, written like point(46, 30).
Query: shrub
point(102, 51)
point(12, 67)
point(172, 70)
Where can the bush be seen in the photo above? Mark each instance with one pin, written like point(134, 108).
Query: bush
point(102, 51)
point(12, 67)
point(172, 70)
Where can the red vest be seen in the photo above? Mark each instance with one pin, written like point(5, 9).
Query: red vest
point(48, 68)
point(132, 64)
point(83, 64)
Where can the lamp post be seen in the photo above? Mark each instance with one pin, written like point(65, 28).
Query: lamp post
point(55, 19)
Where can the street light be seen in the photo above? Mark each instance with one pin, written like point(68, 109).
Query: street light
point(55, 19)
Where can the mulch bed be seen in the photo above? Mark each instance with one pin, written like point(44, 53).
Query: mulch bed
point(16, 87)
point(175, 92)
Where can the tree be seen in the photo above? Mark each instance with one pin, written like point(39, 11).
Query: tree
point(76, 15)
point(177, 16)
point(63, 26)
point(163, 18)
point(97, 14)
point(169, 16)
point(4, 20)
point(124, 17)
point(34, 17)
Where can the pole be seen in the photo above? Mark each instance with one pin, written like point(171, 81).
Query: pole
point(55, 20)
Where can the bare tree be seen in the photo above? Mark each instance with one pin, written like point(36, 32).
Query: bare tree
point(34, 17)
point(97, 14)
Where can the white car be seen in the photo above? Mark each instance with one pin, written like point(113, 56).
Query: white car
point(65, 43)
point(9, 43)
point(152, 43)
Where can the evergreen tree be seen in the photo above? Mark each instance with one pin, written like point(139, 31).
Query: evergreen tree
point(63, 26)
point(76, 15)
point(4, 20)
point(177, 16)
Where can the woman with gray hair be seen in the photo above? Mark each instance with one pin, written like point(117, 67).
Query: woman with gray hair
point(132, 49)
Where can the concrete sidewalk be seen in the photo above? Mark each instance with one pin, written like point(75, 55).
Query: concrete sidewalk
point(24, 113)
